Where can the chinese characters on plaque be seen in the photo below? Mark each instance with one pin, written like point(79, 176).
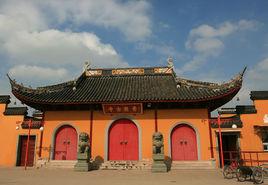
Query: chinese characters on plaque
point(128, 108)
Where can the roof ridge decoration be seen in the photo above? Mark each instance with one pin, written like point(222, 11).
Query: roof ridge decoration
point(129, 87)
point(129, 71)
point(236, 80)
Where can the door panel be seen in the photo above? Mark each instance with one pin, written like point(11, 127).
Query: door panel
point(177, 145)
point(116, 138)
point(71, 144)
point(183, 144)
point(65, 143)
point(132, 145)
point(123, 140)
point(31, 150)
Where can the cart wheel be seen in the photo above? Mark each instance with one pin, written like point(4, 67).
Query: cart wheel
point(227, 172)
point(240, 176)
point(258, 176)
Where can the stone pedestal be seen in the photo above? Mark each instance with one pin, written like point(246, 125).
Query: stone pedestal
point(158, 163)
point(83, 164)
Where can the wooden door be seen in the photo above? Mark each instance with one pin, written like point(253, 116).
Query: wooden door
point(65, 144)
point(183, 143)
point(123, 141)
point(22, 150)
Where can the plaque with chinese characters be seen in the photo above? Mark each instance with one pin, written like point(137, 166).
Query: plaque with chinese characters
point(128, 108)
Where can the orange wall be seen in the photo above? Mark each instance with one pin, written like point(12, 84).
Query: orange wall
point(146, 122)
point(9, 137)
point(249, 140)
point(198, 118)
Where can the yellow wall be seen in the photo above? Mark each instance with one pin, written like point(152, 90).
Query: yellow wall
point(249, 140)
point(198, 118)
point(167, 119)
point(9, 137)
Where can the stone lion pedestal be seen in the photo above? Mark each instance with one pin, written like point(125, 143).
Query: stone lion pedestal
point(158, 153)
point(83, 163)
point(158, 163)
point(83, 154)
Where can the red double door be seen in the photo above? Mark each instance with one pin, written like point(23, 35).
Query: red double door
point(123, 141)
point(65, 144)
point(183, 143)
point(23, 149)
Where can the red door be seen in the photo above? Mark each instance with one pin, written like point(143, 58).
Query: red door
point(66, 144)
point(31, 150)
point(123, 140)
point(183, 143)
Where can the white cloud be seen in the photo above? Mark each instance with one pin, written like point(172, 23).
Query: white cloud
point(224, 29)
point(208, 46)
point(258, 75)
point(56, 48)
point(27, 41)
point(129, 17)
point(207, 41)
point(255, 79)
point(32, 72)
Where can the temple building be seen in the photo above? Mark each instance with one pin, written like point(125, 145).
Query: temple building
point(244, 131)
point(120, 109)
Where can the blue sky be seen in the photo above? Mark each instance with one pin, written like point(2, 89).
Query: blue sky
point(46, 42)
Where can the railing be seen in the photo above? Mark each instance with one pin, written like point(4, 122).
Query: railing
point(249, 158)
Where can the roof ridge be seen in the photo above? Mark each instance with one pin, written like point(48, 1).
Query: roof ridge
point(236, 80)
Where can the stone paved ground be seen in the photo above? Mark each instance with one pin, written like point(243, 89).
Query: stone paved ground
point(17, 176)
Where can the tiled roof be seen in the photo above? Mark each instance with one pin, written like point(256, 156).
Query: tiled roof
point(4, 98)
point(245, 109)
point(227, 122)
point(259, 95)
point(16, 111)
point(149, 86)
point(239, 109)
point(36, 124)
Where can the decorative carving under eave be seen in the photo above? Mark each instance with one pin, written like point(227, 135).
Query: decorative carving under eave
point(137, 71)
point(93, 72)
point(163, 70)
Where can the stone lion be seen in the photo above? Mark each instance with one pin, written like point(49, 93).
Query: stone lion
point(83, 146)
point(158, 143)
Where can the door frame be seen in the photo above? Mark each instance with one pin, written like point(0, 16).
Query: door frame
point(196, 134)
point(53, 140)
point(226, 132)
point(106, 135)
point(18, 152)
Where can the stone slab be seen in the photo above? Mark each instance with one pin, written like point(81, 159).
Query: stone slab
point(83, 166)
point(159, 167)
point(158, 157)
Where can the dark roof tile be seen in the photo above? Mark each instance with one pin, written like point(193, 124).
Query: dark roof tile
point(16, 111)
point(4, 99)
point(259, 95)
point(150, 86)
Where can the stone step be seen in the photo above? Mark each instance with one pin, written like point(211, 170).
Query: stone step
point(177, 165)
point(125, 165)
point(61, 164)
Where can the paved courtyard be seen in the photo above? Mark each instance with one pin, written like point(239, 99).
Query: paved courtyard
point(17, 176)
